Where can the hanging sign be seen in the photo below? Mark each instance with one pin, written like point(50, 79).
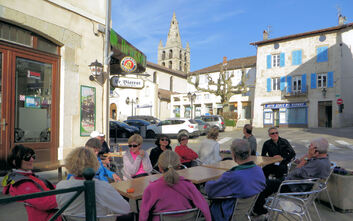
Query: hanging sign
point(116, 81)
point(128, 64)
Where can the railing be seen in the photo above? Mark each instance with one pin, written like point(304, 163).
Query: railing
point(295, 93)
point(88, 188)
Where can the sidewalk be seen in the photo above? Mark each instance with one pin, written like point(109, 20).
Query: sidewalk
point(16, 211)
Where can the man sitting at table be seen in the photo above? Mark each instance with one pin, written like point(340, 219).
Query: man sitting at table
point(242, 181)
point(315, 164)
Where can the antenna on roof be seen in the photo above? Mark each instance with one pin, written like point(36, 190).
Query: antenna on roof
point(269, 29)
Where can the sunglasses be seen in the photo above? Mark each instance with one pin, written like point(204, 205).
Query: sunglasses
point(28, 157)
point(273, 133)
point(133, 145)
point(164, 139)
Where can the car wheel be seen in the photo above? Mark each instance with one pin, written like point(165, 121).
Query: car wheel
point(183, 132)
point(150, 134)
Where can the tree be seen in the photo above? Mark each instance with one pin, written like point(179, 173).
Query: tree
point(223, 86)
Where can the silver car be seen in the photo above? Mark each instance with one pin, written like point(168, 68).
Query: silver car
point(214, 121)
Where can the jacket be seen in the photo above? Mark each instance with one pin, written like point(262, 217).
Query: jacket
point(131, 166)
point(241, 181)
point(160, 197)
point(186, 154)
point(154, 155)
point(21, 182)
point(282, 148)
point(209, 151)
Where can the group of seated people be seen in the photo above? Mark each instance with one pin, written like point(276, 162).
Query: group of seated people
point(171, 191)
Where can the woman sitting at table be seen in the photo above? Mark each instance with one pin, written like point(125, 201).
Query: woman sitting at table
point(186, 154)
point(136, 161)
point(181, 193)
point(23, 181)
point(209, 149)
point(108, 200)
point(163, 143)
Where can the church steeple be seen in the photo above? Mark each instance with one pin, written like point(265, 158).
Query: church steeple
point(174, 34)
point(173, 55)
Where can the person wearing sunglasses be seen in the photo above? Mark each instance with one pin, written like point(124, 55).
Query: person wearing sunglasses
point(163, 143)
point(21, 180)
point(186, 154)
point(277, 147)
point(136, 161)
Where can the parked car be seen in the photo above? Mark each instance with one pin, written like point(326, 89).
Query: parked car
point(121, 130)
point(203, 126)
point(151, 131)
point(177, 126)
point(151, 119)
point(214, 121)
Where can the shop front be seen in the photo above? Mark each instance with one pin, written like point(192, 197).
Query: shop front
point(286, 115)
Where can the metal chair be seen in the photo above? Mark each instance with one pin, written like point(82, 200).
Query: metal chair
point(108, 217)
point(295, 204)
point(242, 206)
point(185, 215)
point(325, 181)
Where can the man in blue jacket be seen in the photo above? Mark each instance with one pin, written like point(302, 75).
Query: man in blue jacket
point(242, 181)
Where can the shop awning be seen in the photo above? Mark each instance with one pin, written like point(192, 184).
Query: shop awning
point(122, 48)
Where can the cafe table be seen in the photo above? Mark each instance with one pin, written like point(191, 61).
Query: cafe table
point(115, 154)
point(258, 160)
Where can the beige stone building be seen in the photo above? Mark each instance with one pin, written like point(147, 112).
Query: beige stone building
point(302, 78)
point(47, 100)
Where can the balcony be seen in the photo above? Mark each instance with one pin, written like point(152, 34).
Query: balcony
point(298, 93)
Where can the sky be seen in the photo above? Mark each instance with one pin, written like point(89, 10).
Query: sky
point(218, 28)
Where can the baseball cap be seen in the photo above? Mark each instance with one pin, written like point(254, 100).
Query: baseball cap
point(96, 134)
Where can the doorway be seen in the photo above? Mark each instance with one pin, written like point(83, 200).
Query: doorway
point(275, 117)
point(325, 113)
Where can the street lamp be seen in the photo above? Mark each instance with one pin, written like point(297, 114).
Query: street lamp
point(96, 68)
point(191, 98)
point(136, 101)
point(324, 91)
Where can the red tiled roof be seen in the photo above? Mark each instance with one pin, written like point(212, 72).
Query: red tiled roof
point(232, 64)
point(165, 69)
point(335, 28)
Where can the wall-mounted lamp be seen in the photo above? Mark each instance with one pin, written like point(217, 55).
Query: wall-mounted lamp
point(96, 71)
point(324, 91)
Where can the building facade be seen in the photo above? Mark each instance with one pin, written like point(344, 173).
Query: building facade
point(301, 79)
point(208, 103)
point(173, 55)
point(47, 100)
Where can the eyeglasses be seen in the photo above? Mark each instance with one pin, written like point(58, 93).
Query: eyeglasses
point(29, 156)
point(164, 139)
point(133, 145)
point(273, 133)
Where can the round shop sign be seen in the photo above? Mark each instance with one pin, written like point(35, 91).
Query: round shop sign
point(128, 64)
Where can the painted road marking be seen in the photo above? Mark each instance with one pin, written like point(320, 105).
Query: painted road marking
point(332, 147)
point(224, 140)
point(342, 142)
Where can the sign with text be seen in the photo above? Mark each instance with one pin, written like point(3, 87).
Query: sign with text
point(116, 81)
point(290, 105)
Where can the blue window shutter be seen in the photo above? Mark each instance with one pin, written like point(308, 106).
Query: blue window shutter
point(299, 61)
point(304, 83)
point(282, 83)
point(289, 84)
point(294, 57)
point(330, 79)
point(313, 80)
point(268, 84)
point(322, 54)
point(281, 60)
point(269, 61)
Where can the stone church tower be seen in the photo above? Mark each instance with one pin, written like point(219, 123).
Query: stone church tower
point(173, 55)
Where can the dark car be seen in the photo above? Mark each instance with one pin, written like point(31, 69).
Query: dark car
point(121, 130)
point(203, 126)
point(151, 129)
point(151, 119)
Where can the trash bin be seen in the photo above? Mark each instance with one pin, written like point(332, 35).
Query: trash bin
point(143, 130)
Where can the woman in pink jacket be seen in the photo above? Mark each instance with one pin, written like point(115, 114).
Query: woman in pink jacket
point(171, 192)
point(23, 181)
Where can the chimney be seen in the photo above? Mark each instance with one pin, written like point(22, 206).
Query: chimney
point(341, 19)
point(265, 35)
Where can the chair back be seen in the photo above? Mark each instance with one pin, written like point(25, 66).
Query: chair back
point(185, 215)
point(243, 208)
point(108, 217)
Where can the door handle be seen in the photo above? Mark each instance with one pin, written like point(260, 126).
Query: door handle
point(3, 124)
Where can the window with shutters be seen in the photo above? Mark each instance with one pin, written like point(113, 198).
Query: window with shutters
point(276, 84)
point(322, 80)
point(297, 84)
point(276, 60)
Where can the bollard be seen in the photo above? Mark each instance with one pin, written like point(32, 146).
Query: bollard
point(90, 195)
